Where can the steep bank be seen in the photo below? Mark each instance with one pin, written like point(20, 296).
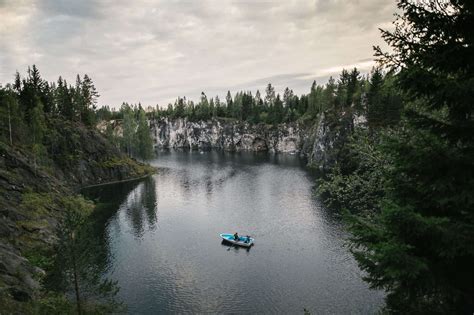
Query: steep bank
point(31, 199)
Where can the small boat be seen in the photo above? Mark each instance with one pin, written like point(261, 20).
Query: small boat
point(243, 241)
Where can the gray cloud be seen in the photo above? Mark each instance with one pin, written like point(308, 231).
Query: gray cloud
point(152, 51)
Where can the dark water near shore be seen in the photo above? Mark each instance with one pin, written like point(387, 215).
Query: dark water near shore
point(161, 239)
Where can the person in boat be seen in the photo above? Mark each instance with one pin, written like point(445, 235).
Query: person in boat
point(236, 236)
point(247, 239)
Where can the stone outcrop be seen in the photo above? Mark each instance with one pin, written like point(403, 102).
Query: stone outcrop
point(320, 144)
point(326, 140)
point(225, 135)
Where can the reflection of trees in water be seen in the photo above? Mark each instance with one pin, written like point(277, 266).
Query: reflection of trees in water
point(191, 183)
point(140, 201)
point(133, 210)
point(108, 199)
point(140, 207)
point(151, 202)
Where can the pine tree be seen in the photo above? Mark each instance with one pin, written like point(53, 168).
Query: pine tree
point(89, 98)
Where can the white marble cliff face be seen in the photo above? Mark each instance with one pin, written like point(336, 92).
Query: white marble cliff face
point(230, 136)
point(315, 141)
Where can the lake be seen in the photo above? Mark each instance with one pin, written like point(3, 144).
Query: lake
point(161, 239)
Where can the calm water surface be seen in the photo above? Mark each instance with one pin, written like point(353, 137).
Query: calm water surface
point(161, 239)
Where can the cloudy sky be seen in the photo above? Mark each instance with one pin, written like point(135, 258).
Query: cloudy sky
point(153, 51)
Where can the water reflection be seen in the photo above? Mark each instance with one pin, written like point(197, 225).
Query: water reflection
point(140, 207)
point(162, 239)
point(230, 246)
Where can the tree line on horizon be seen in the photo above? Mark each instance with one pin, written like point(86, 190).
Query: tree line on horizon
point(350, 89)
point(373, 95)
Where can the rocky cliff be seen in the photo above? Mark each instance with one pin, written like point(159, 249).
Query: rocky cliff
point(31, 196)
point(319, 141)
point(227, 135)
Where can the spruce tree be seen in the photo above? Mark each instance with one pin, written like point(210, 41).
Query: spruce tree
point(420, 247)
point(374, 99)
point(89, 97)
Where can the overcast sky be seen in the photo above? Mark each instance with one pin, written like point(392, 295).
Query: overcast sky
point(153, 51)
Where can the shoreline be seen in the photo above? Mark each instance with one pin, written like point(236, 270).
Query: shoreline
point(116, 182)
